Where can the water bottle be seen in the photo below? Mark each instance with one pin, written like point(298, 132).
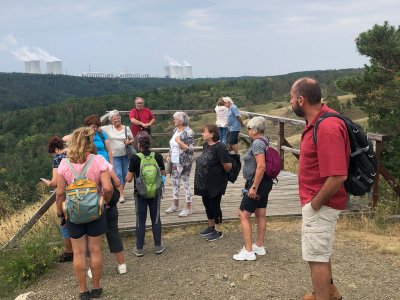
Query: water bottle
point(244, 192)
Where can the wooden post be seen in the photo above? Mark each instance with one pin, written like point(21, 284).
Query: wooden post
point(375, 189)
point(281, 142)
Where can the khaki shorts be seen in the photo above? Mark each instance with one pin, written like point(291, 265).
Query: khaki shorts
point(317, 233)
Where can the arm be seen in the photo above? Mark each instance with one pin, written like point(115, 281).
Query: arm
point(137, 122)
point(152, 121)
point(227, 167)
point(105, 179)
point(181, 144)
point(240, 120)
point(129, 177)
point(260, 169)
point(330, 187)
point(109, 151)
point(114, 177)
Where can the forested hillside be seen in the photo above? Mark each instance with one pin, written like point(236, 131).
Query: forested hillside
point(24, 132)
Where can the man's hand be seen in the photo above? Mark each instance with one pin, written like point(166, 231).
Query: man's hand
point(314, 205)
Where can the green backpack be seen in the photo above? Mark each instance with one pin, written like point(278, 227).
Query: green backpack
point(148, 184)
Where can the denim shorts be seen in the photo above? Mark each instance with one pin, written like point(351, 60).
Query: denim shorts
point(317, 232)
point(121, 167)
point(233, 137)
point(64, 232)
point(93, 229)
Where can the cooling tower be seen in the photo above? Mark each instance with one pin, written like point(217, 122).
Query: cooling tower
point(32, 67)
point(54, 67)
point(174, 72)
point(187, 72)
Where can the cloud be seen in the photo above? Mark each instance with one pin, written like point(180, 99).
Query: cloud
point(8, 42)
point(26, 54)
point(197, 19)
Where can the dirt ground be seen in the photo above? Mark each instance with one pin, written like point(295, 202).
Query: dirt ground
point(192, 268)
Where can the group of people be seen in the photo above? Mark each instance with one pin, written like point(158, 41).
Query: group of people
point(322, 172)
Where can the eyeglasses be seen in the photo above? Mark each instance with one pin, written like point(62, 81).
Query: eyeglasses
point(249, 128)
point(140, 103)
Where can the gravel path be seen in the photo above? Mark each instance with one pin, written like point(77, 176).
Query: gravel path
point(192, 268)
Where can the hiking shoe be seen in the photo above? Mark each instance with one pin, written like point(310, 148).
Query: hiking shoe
point(121, 200)
point(160, 249)
point(84, 295)
point(207, 231)
point(122, 268)
point(138, 252)
point(216, 235)
point(259, 250)
point(89, 273)
point(96, 293)
point(172, 209)
point(185, 212)
point(334, 294)
point(244, 255)
point(66, 256)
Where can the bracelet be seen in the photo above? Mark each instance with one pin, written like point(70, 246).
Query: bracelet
point(61, 215)
point(254, 187)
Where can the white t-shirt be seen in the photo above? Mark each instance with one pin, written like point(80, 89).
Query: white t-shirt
point(117, 138)
point(222, 113)
point(174, 146)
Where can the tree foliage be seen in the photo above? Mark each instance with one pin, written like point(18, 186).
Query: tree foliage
point(377, 89)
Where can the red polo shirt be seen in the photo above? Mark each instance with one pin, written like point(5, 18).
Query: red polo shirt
point(330, 157)
point(144, 115)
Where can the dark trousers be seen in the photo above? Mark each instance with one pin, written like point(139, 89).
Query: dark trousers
point(141, 215)
point(213, 208)
point(113, 237)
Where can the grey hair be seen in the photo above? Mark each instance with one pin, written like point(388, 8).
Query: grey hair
point(113, 113)
point(258, 124)
point(227, 100)
point(181, 116)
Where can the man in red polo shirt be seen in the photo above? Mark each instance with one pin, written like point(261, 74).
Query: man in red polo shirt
point(322, 171)
point(141, 117)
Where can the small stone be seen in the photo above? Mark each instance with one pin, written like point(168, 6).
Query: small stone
point(26, 296)
point(246, 276)
point(352, 285)
point(191, 283)
point(233, 284)
point(225, 277)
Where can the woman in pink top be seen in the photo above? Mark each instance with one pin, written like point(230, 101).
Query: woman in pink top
point(221, 122)
point(79, 152)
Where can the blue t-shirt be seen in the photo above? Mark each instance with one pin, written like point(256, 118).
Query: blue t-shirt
point(233, 122)
point(100, 146)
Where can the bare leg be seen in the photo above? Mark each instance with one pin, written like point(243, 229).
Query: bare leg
point(96, 259)
point(261, 226)
point(120, 258)
point(321, 279)
point(79, 248)
point(244, 218)
point(67, 245)
point(235, 148)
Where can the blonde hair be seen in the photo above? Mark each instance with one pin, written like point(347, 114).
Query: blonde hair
point(81, 144)
point(227, 100)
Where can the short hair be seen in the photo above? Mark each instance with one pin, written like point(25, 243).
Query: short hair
point(55, 142)
point(308, 88)
point(143, 139)
point(227, 100)
point(113, 113)
point(258, 124)
point(212, 128)
point(181, 116)
point(139, 98)
point(92, 120)
point(220, 102)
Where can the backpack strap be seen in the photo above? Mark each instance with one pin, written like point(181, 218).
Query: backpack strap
point(126, 132)
point(323, 117)
point(85, 168)
point(101, 135)
point(141, 155)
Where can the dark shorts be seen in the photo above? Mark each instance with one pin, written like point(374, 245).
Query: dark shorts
point(93, 229)
point(112, 234)
point(233, 137)
point(250, 204)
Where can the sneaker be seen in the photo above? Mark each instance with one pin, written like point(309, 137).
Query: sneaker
point(216, 235)
point(66, 256)
point(96, 293)
point(259, 250)
point(185, 212)
point(89, 273)
point(207, 231)
point(121, 199)
point(244, 255)
point(122, 268)
point(160, 249)
point(334, 294)
point(138, 252)
point(172, 209)
point(84, 295)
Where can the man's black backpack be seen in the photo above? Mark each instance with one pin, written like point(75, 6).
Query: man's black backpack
point(236, 166)
point(362, 167)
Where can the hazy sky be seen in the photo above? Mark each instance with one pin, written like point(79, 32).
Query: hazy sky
point(217, 37)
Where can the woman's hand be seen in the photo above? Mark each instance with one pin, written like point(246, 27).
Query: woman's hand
point(253, 194)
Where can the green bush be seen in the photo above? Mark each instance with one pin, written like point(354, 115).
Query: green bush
point(389, 204)
point(34, 256)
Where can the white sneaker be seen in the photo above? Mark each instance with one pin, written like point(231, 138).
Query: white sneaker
point(185, 212)
point(121, 199)
point(259, 250)
point(172, 209)
point(89, 273)
point(122, 268)
point(245, 255)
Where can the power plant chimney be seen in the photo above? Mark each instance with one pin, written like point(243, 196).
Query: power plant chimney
point(32, 67)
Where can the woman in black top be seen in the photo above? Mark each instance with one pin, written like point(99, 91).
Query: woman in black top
point(210, 179)
point(143, 146)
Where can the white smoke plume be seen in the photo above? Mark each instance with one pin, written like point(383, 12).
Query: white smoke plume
point(186, 64)
point(8, 41)
point(171, 61)
point(27, 54)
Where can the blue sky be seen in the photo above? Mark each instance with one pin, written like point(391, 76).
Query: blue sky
point(217, 37)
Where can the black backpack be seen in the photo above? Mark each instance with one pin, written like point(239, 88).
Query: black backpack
point(362, 167)
point(236, 166)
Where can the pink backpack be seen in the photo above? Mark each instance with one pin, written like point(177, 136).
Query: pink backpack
point(273, 163)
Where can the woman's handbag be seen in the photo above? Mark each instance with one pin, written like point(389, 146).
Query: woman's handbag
point(130, 150)
point(168, 165)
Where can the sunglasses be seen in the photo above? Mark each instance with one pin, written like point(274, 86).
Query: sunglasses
point(249, 128)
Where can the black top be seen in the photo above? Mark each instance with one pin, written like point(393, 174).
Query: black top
point(134, 165)
point(210, 178)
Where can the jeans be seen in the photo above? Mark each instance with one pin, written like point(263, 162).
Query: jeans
point(121, 166)
point(141, 215)
point(223, 131)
